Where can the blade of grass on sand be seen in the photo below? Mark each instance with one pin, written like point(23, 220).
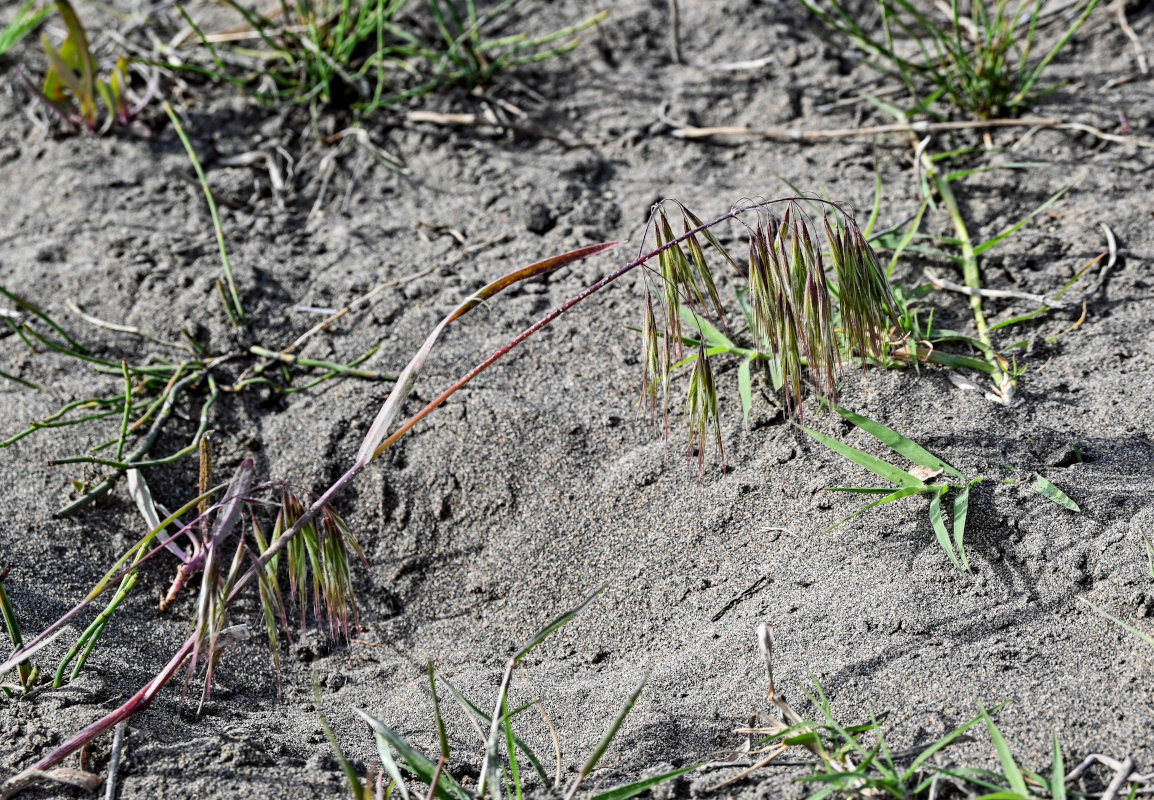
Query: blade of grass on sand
point(1058, 775)
point(940, 528)
point(237, 309)
point(1052, 492)
point(745, 387)
point(1009, 766)
point(907, 491)
point(489, 766)
point(904, 446)
point(385, 751)
point(942, 743)
point(474, 710)
point(705, 328)
point(882, 469)
point(634, 789)
point(961, 509)
point(417, 762)
point(1143, 636)
point(351, 776)
point(442, 737)
point(606, 739)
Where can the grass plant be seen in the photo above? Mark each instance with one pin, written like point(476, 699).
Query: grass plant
point(232, 302)
point(373, 54)
point(500, 766)
point(27, 19)
point(805, 320)
point(916, 481)
point(153, 391)
point(926, 342)
point(981, 61)
point(844, 762)
point(76, 84)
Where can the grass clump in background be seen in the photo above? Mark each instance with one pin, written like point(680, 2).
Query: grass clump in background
point(367, 55)
point(977, 57)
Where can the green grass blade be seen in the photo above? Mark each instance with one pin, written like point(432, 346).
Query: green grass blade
point(889, 498)
point(961, 508)
point(1008, 232)
point(559, 623)
point(745, 387)
point(859, 490)
point(1009, 766)
point(607, 738)
point(1052, 492)
point(25, 21)
point(707, 330)
point(1143, 636)
point(355, 788)
point(873, 220)
point(234, 295)
point(634, 789)
point(442, 736)
point(511, 752)
point(1149, 554)
point(472, 708)
point(907, 237)
point(895, 441)
point(940, 528)
point(941, 744)
point(1058, 775)
point(417, 762)
point(882, 469)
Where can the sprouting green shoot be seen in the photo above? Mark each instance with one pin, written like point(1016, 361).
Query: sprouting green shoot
point(1052, 492)
point(356, 788)
point(234, 307)
point(73, 85)
point(905, 483)
point(26, 673)
point(606, 739)
point(27, 19)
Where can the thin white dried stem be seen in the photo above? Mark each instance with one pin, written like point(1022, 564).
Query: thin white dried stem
point(920, 128)
point(1139, 50)
point(995, 294)
point(1123, 772)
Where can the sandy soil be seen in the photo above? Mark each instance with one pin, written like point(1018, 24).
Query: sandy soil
point(543, 479)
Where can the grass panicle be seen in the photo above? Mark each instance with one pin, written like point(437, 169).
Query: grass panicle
point(804, 318)
point(319, 564)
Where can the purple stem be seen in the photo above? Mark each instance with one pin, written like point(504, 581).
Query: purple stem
point(142, 699)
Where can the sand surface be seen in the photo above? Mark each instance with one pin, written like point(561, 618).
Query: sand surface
point(543, 479)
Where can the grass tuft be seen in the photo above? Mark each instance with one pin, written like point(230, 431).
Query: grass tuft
point(369, 55)
point(980, 62)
